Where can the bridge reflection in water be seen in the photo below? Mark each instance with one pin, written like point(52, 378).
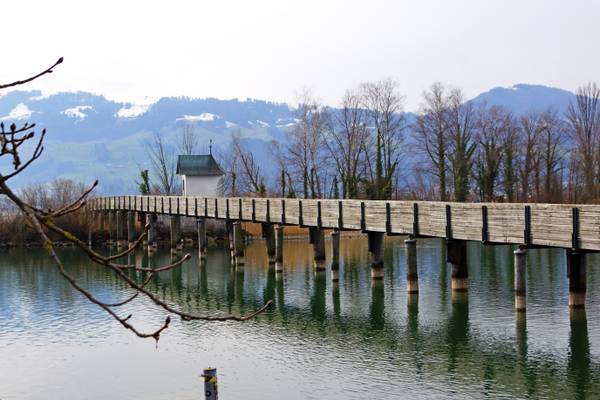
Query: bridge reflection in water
point(437, 343)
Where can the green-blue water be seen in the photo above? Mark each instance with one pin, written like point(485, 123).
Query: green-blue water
point(353, 340)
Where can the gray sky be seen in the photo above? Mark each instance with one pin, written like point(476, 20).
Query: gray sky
point(130, 50)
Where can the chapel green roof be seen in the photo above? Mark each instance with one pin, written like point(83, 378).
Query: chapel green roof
point(198, 165)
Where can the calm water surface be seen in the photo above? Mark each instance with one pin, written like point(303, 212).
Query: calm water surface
point(352, 340)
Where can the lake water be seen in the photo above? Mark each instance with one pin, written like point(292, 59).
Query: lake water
point(354, 340)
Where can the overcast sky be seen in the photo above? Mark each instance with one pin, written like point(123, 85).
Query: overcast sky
point(130, 50)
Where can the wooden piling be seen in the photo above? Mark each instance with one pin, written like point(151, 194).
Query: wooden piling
point(335, 255)
point(335, 249)
point(152, 220)
point(520, 279)
point(111, 226)
point(412, 275)
point(201, 229)
point(238, 244)
point(278, 248)
point(319, 249)
point(269, 235)
point(457, 257)
point(230, 238)
point(375, 243)
point(131, 234)
point(576, 272)
point(176, 244)
point(119, 218)
point(101, 224)
point(210, 384)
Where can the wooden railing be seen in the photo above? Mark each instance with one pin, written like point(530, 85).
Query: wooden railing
point(551, 225)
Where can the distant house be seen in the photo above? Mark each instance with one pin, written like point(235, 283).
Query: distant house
point(201, 175)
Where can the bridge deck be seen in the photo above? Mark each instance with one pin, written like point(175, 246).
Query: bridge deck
point(552, 225)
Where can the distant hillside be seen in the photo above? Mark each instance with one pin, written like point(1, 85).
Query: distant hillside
point(524, 98)
point(91, 137)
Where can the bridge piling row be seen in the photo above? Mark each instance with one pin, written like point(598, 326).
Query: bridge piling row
point(529, 226)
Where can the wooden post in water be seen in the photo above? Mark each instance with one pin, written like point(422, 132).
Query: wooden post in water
point(152, 220)
point(201, 228)
point(111, 226)
point(238, 244)
point(520, 279)
point(229, 229)
point(131, 236)
point(319, 249)
point(269, 235)
point(278, 248)
point(412, 274)
point(457, 257)
point(176, 245)
point(210, 384)
point(576, 272)
point(119, 218)
point(101, 225)
point(335, 255)
point(375, 243)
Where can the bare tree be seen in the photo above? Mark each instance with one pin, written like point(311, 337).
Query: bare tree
point(249, 176)
point(584, 119)
point(385, 108)
point(528, 155)
point(188, 140)
point(305, 149)
point(552, 153)
point(509, 174)
point(345, 141)
point(163, 163)
point(43, 221)
point(432, 130)
point(492, 125)
point(462, 145)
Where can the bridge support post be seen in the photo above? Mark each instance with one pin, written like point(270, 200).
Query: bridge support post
point(412, 274)
point(131, 228)
point(269, 235)
point(238, 243)
point(375, 242)
point(152, 220)
point(319, 249)
point(457, 258)
point(335, 255)
point(101, 224)
point(229, 230)
point(576, 272)
point(201, 228)
point(176, 245)
point(520, 279)
point(111, 227)
point(278, 248)
point(119, 218)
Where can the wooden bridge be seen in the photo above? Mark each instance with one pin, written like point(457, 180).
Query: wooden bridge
point(575, 228)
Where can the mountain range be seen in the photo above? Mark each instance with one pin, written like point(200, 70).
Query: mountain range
point(90, 137)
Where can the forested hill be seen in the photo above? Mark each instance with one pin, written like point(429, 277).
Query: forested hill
point(91, 137)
